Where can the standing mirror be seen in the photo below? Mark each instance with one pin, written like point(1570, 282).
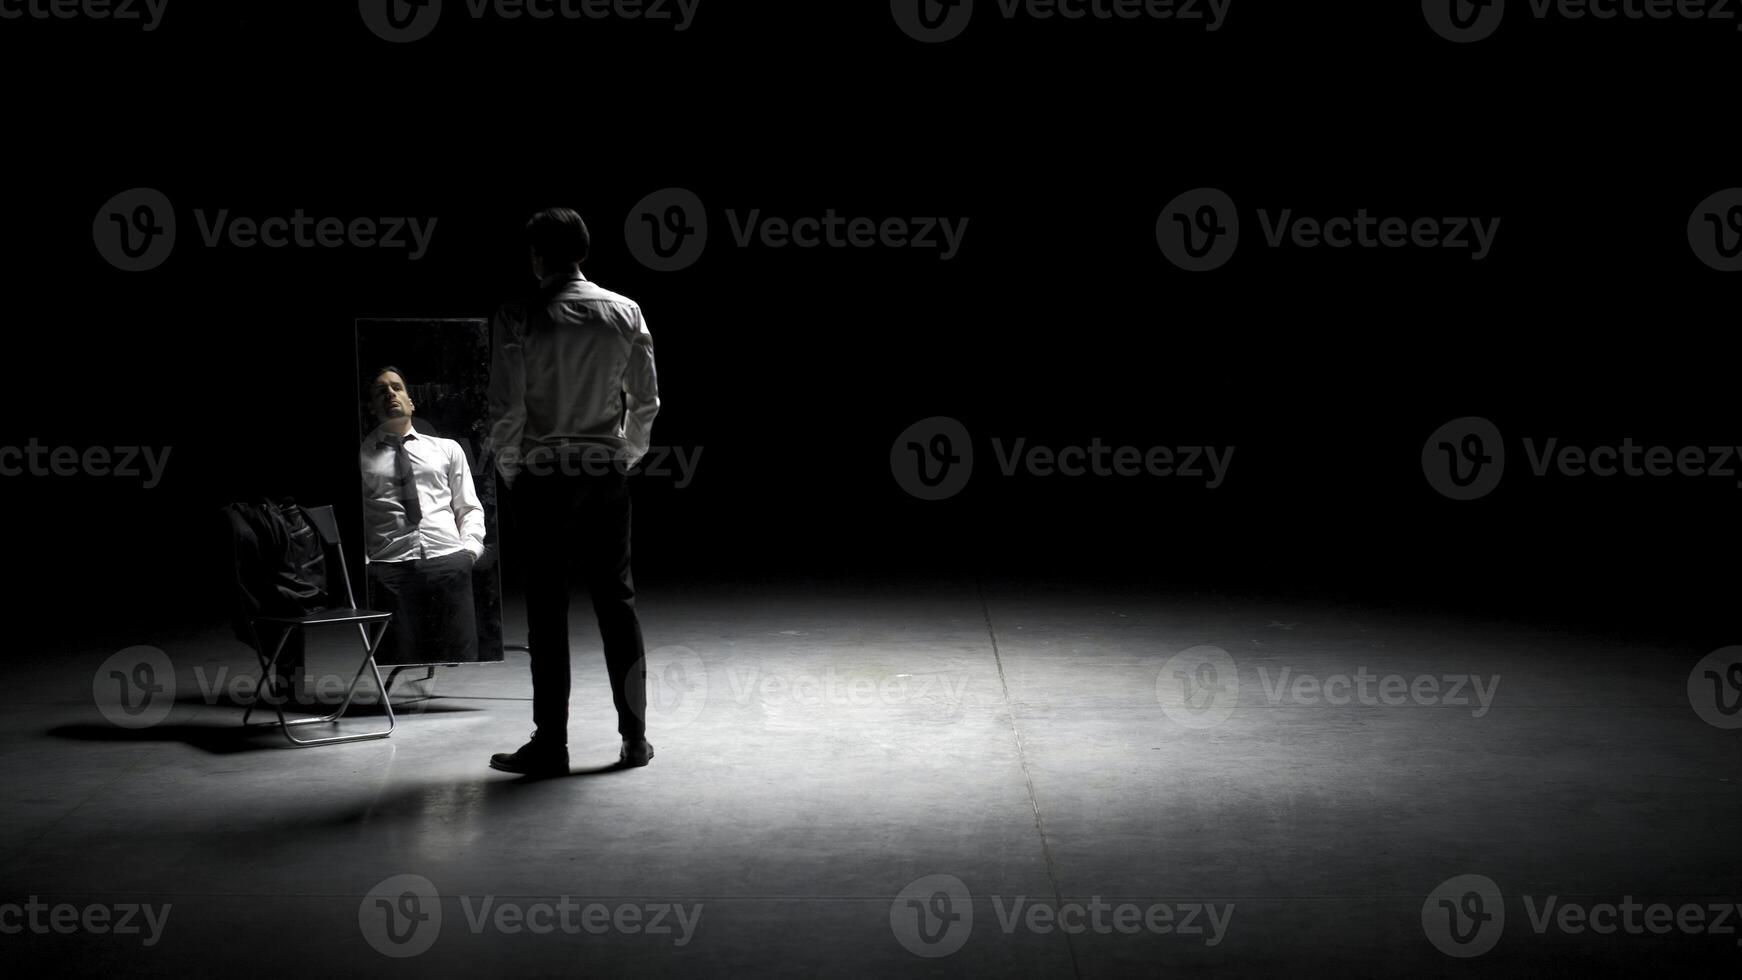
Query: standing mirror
point(429, 494)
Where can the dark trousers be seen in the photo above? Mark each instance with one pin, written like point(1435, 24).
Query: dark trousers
point(575, 526)
point(434, 618)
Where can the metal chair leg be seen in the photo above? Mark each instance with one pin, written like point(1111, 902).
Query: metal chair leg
point(393, 675)
point(266, 665)
point(286, 724)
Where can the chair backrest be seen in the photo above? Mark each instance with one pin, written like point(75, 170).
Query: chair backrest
point(327, 526)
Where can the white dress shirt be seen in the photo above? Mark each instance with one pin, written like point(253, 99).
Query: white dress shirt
point(570, 369)
point(453, 519)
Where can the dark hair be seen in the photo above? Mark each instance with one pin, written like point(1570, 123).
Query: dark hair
point(369, 383)
point(559, 236)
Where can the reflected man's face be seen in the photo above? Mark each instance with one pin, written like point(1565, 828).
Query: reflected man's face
point(389, 397)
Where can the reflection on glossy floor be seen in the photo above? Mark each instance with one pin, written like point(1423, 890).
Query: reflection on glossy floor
point(905, 781)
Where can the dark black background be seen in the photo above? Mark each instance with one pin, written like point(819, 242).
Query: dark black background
point(794, 370)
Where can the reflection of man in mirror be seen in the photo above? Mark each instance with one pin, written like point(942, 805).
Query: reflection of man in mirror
point(424, 528)
point(572, 400)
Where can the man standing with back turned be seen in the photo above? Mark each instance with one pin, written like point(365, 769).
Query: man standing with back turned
point(572, 399)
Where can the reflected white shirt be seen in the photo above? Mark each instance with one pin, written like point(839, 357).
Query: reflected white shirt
point(570, 369)
point(453, 519)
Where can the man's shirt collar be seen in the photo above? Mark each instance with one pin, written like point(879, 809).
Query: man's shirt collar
point(385, 436)
point(569, 275)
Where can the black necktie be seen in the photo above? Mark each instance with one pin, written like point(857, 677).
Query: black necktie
point(407, 482)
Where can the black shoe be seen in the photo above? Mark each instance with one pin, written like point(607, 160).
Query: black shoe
point(635, 752)
point(535, 758)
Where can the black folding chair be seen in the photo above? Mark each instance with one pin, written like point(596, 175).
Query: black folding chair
point(371, 626)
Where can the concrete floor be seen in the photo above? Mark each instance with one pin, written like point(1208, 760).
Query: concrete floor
point(824, 754)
